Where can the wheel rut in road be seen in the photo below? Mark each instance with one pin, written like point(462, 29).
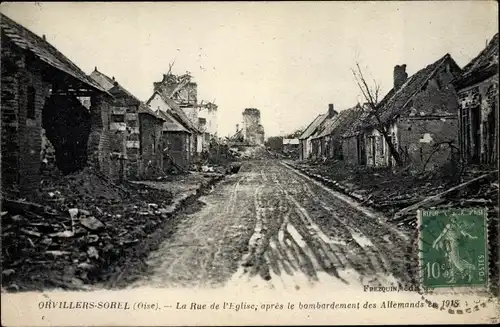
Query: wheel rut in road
point(269, 226)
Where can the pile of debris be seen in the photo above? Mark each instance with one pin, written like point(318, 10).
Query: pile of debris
point(400, 195)
point(82, 225)
point(475, 190)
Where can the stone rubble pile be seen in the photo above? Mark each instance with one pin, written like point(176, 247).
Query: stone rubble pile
point(81, 225)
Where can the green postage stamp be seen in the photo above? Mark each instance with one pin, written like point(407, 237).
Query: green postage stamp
point(453, 247)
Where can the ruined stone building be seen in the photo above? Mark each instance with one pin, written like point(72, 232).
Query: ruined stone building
point(477, 89)
point(420, 115)
point(184, 92)
point(135, 141)
point(253, 131)
point(41, 112)
point(178, 133)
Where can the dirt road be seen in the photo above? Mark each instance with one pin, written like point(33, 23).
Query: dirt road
point(271, 226)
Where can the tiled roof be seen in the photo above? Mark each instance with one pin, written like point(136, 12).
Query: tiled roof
point(115, 89)
point(176, 111)
point(484, 65)
point(324, 126)
point(171, 124)
point(395, 102)
point(27, 40)
point(312, 127)
point(102, 79)
point(340, 122)
point(143, 109)
point(355, 127)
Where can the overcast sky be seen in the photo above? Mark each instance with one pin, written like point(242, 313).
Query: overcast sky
point(288, 59)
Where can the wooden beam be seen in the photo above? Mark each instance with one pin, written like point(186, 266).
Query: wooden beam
point(440, 197)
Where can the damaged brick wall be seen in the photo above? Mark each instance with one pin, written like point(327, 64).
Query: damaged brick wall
point(478, 113)
point(35, 92)
point(125, 138)
point(431, 119)
point(133, 144)
point(99, 149)
point(418, 138)
point(23, 97)
point(151, 146)
point(118, 142)
point(11, 63)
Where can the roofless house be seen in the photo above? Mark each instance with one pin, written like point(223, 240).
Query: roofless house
point(40, 90)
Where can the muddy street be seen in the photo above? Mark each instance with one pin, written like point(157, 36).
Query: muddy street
point(271, 226)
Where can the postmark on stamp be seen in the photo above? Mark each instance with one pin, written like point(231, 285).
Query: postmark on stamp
point(453, 248)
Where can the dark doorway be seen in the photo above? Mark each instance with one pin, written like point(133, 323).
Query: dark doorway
point(67, 125)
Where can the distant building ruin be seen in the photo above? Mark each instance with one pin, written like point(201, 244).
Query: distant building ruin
point(253, 131)
point(203, 115)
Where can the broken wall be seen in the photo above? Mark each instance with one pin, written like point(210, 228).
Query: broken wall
point(151, 147)
point(436, 97)
point(133, 146)
point(98, 146)
point(23, 95)
point(253, 131)
point(484, 97)
point(431, 118)
point(419, 137)
point(125, 143)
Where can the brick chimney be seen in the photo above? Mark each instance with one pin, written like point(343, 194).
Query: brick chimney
point(331, 111)
point(400, 76)
point(237, 128)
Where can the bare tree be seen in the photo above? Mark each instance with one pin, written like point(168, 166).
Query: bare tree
point(371, 95)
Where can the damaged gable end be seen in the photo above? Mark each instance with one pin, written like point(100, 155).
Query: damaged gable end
point(477, 89)
point(420, 115)
point(40, 87)
point(135, 133)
